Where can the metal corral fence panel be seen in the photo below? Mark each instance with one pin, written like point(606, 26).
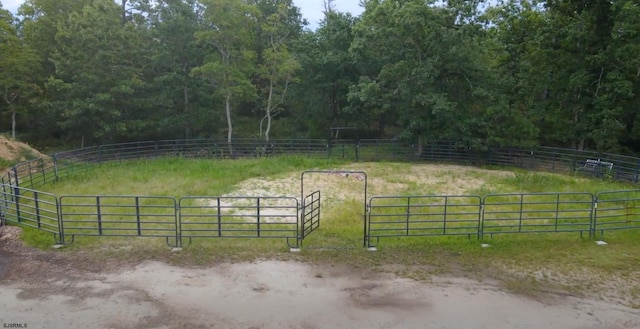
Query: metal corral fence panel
point(552, 159)
point(547, 159)
point(385, 150)
point(209, 148)
point(424, 215)
point(537, 213)
point(190, 148)
point(127, 151)
point(119, 216)
point(450, 152)
point(310, 213)
point(625, 168)
point(619, 167)
point(30, 208)
point(617, 210)
point(318, 148)
point(33, 173)
point(343, 149)
point(69, 162)
point(505, 157)
point(8, 178)
point(560, 160)
point(239, 217)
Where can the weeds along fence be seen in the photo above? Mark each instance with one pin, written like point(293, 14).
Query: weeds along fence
point(184, 219)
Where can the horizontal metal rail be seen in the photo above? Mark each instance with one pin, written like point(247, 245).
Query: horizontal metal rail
point(393, 216)
point(119, 216)
point(537, 213)
point(617, 210)
point(520, 213)
point(310, 213)
point(625, 168)
point(239, 217)
point(29, 208)
point(33, 173)
point(385, 150)
point(208, 148)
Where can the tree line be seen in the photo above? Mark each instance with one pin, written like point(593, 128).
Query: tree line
point(481, 73)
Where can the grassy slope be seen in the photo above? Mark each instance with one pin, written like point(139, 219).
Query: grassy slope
point(523, 263)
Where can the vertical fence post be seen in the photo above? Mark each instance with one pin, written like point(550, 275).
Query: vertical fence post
point(55, 166)
point(555, 225)
point(4, 204)
point(177, 214)
point(408, 215)
point(30, 174)
point(99, 213)
point(16, 192)
point(60, 220)
point(258, 214)
point(594, 215)
point(139, 226)
point(155, 149)
point(533, 160)
point(37, 205)
point(298, 235)
point(219, 219)
point(44, 175)
point(329, 149)
point(481, 219)
point(520, 217)
point(15, 174)
point(366, 227)
point(367, 222)
point(320, 202)
point(444, 217)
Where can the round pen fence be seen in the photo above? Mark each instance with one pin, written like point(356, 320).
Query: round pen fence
point(180, 220)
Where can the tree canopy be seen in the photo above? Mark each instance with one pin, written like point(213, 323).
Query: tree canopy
point(508, 73)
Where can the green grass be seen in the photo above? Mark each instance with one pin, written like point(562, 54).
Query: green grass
point(548, 182)
point(178, 177)
point(37, 238)
point(524, 263)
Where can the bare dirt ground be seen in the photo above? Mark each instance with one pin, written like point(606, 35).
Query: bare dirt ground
point(11, 150)
point(339, 185)
point(42, 289)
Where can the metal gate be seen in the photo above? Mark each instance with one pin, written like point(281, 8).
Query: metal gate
point(310, 213)
point(311, 204)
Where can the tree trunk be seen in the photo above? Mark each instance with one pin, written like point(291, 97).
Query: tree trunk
point(187, 128)
point(13, 121)
point(124, 12)
point(10, 100)
point(333, 101)
point(268, 110)
point(227, 107)
point(381, 124)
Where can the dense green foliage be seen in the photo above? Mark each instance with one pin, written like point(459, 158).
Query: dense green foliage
point(514, 72)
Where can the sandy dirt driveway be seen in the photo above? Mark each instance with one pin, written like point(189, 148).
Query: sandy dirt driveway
point(36, 292)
